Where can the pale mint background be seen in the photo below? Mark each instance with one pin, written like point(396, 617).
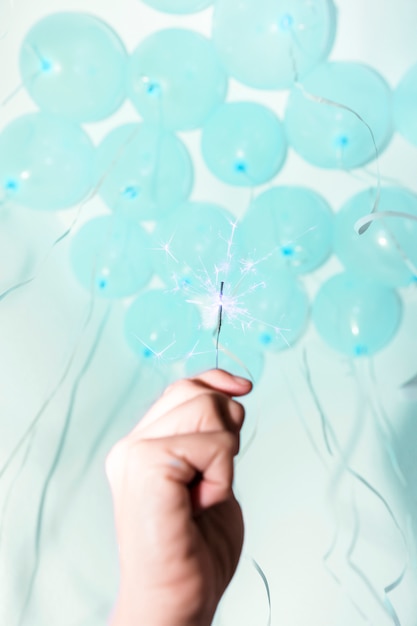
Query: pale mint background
point(293, 503)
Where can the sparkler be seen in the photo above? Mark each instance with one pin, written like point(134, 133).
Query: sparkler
point(219, 323)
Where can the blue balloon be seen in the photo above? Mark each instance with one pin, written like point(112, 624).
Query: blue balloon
point(179, 6)
point(273, 309)
point(405, 106)
point(46, 162)
point(194, 249)
point(264, 44)
point(110, 257)
point(244, 144)
point(354, 316)
point(329, 118)
point(143, 171)
point(175, 79)
point(73, 64)
point(234, 355)
point(387, 250)
point(291, 225)
point(161, 327)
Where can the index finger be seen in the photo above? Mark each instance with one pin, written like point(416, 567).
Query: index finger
point(223, 381)
point(184, 390)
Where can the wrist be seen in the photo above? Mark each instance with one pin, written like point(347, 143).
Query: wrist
point(120, 618)
point(137, 611)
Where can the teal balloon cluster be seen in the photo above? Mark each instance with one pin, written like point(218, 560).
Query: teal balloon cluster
point(339, 115)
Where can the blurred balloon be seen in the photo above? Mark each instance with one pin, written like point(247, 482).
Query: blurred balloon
point(341, 116)
point(266, 44)
point(176, 79)
point(179, 6)
point(405, 106)
point(195, 247)
point(110, 257)
point(143, 171)
point(161, 326)
point(74, 64)
point(291, 225)
point(244, 143)
point(354, 316)
point(234, 355)
point(273, 310)
point(46, 162)
point(382, 251)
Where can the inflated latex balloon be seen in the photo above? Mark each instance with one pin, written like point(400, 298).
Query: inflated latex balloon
point(244, 144)
point(384, 250)
point(354, 316)
point(110, 257)
point(161, 326)
point(274, 312)
point(234, 355)
point(179, 6)
point(338, 113)
point(176, 79)
point(143, 171)
point(405, 106)
point(46, 162)
point(266, 44)
point(74, 64)
point(195, 246)
point(293, 225)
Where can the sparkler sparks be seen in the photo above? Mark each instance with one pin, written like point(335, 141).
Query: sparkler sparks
point(252, 297)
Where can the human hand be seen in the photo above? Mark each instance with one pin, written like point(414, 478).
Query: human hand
point(179, 526)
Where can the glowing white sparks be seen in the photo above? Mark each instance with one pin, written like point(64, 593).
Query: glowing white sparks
point(150, 352)
point(224, 286)
point(166, 247)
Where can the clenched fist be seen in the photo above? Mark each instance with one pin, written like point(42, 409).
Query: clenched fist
point(179, 526)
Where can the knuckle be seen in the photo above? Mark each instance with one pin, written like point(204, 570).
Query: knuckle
point(210, 403)
point(219, 412)
point(212, 410)
point(230, 443)
point(237, 410)
point(183, 385)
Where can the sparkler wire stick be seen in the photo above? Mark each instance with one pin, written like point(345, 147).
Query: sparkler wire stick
point(219, 322)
